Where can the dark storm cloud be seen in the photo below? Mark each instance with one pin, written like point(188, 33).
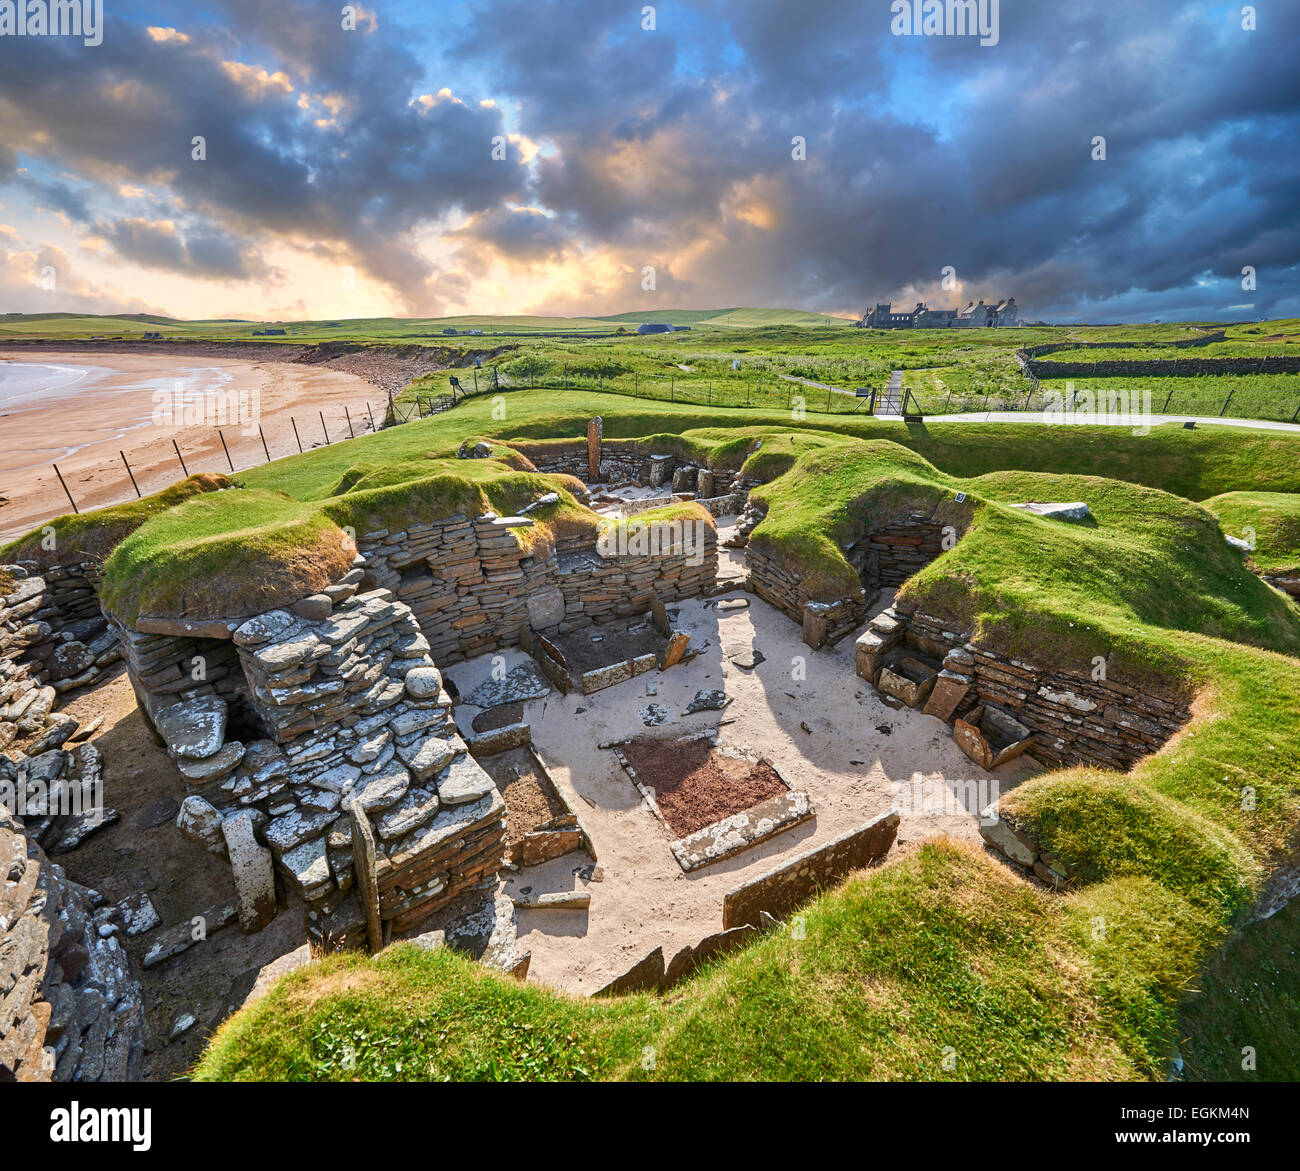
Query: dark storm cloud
point(212, 255)
point(358, 174)
point(926, 152)
point(672, 147)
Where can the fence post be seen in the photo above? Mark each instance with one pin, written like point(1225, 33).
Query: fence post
point(130, 473)
point(372, 417)
point(264, 447)
point(184, 469)
point(947, 401)
point(296, 436)
point(65, 489)
point(324, 428)
point(475, 373)
point(1226, 401)
point(351, 433)
point(224, 448)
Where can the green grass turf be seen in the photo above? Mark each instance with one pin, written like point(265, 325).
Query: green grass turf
point(1270, 520)
point(942, 954)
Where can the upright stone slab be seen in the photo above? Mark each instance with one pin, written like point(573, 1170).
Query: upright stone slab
point(595, 432)
point(816, 625)
point(787, 887)
point(363, 862)
point(253, 870)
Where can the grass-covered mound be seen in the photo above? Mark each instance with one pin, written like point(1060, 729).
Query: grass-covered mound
point(231, 554)
point(91, 536)
point(1274, 520)
point(940, 966)
point(943, 948)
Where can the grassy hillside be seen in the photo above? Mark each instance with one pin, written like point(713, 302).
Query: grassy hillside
point(1270, 519)
point(943, 964)
point(943, 953)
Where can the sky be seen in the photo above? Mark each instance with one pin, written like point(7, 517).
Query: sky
point(314, 160)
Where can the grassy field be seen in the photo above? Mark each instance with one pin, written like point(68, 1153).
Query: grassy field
point(762, 358)
point(1242, 396)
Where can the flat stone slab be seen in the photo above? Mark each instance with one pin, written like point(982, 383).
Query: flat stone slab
point(554, 900)
point(741, 830)
point(1071, 510)
point(195, 729)
point(210, 768)
point(519, 684)
point(787, 887)
point(183, 935)
point(138, 913)
point(464, 781)
point(384, 789)
point(426, 758)
point(707, 701)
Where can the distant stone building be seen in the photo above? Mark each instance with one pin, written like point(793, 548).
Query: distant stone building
point(661, 327)
point(974, 316)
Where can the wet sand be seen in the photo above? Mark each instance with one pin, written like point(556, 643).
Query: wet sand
point(80, 410)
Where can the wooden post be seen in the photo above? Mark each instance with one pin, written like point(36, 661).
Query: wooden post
point(297, 438)
point(65, 489)
point(184, 469)
point(264, 447)
point(351, 434)
point(130, 473)
point(372, 417)
point(224, 448)
point(324, 428)
point(363, 866)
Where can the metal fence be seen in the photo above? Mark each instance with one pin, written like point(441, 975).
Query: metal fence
point(789, 393)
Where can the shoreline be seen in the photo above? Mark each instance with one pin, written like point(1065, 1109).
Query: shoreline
point(124, 405)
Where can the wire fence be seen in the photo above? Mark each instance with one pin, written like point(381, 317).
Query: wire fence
point(789, 393)
point(230, 450)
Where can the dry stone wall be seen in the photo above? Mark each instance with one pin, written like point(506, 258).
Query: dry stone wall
point(330, 703)
point(53, 639)
point(472, 588)
point(1075, 719)
point(69, 1007)
point(784, 589)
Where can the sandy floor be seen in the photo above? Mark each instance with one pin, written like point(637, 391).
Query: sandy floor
point(851, 771)
point(85, 426)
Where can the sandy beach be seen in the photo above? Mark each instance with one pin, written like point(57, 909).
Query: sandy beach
point(82, 410)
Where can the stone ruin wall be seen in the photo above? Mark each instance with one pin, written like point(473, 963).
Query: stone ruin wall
point(53, 640)
point(279, 723)
point(1177, 367)
point(627, 464)
point(330, 704)
point(885, 556)
point(69, 1007)
point(1075, 719)
point(472, 588)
